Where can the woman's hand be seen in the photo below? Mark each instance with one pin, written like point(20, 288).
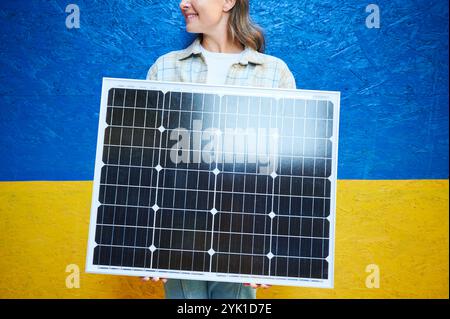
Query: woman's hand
point(254, 286)
point(154, 279)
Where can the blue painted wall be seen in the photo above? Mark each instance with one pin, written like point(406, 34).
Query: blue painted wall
point(394, 80)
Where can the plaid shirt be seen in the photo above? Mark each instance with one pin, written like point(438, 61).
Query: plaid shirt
point(254, 69)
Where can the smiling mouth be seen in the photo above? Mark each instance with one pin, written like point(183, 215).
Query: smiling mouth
point(190, 17)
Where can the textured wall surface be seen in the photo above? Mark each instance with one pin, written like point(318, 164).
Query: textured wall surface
point(401, 226)
point(392, 194)
point(394, 80)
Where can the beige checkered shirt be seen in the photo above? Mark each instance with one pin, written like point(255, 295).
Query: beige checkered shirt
point(253, 69)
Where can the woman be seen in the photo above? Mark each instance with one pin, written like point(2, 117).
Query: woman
point(228, 51)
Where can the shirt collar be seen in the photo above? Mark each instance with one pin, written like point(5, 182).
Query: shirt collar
point(249, 55)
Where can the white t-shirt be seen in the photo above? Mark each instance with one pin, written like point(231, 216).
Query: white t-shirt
point(219, 64)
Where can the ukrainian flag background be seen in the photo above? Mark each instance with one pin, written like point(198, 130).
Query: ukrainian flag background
point(392, 192)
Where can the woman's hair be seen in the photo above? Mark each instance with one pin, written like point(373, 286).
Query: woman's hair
point(242, 28)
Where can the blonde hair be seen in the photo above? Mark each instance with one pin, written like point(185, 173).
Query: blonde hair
point(242, 28)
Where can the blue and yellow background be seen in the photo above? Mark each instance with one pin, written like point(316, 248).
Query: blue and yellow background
point(392, 192)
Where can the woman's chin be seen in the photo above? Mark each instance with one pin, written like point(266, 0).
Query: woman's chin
point(192, 30)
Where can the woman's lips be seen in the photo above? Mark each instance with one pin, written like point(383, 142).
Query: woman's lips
point(191, 17)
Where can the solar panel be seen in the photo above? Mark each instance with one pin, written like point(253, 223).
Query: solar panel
point(220, 183)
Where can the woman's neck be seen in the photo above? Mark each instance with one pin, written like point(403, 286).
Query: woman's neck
point(221, 44)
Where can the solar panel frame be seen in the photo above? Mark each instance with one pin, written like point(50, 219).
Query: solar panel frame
point(111, 83)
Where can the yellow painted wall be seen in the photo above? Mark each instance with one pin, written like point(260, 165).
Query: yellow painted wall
point(401, 226)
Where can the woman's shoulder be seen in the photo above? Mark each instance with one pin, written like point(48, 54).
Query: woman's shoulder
point(163, 62)
point(275, 68)
point(272, 61)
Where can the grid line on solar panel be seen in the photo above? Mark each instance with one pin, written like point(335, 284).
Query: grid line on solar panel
point(280, 215)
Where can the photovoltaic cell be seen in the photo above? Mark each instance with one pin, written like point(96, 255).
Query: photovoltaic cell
point(215, 183)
